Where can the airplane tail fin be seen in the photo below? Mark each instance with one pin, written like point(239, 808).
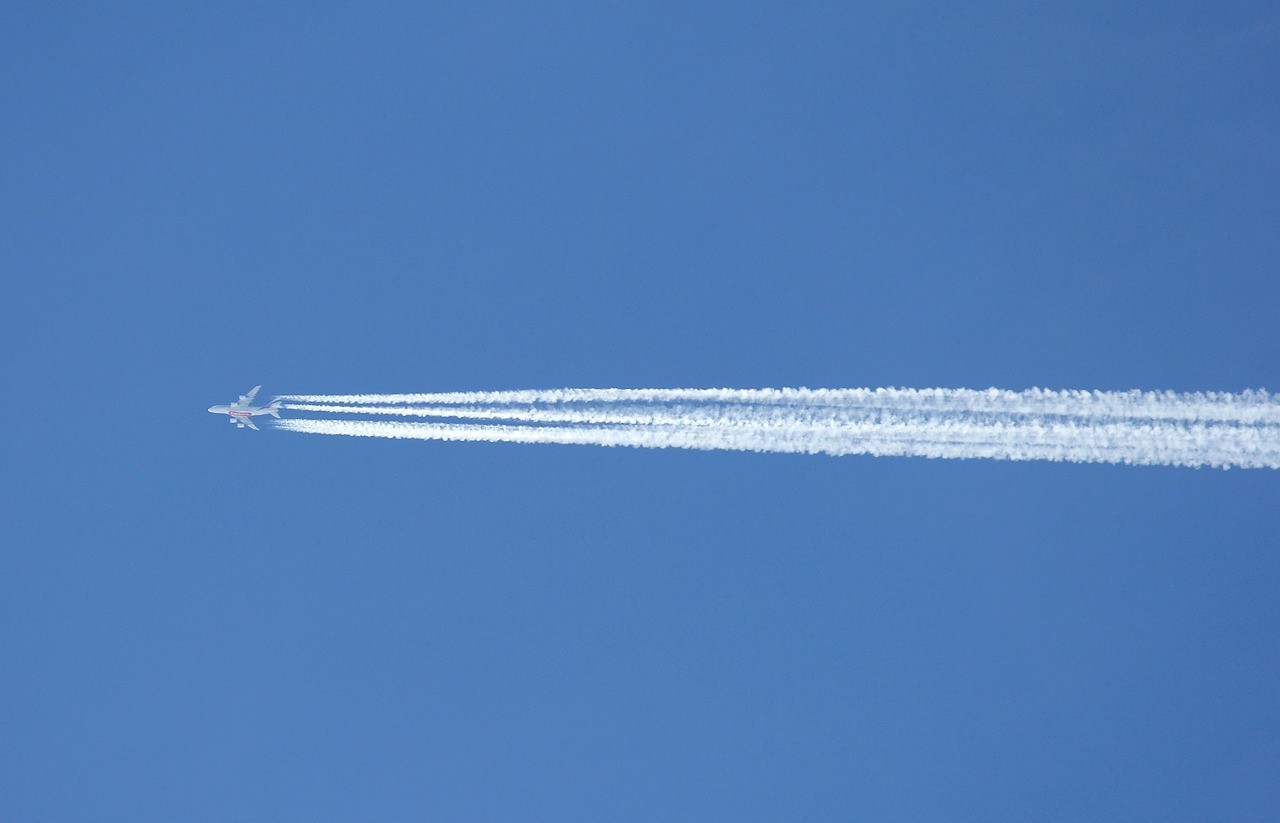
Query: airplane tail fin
point(273, 408)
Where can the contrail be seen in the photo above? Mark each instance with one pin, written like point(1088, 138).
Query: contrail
point(1146, 428)
point(1251, 406)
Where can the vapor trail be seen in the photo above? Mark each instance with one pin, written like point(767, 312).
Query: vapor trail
point(1164, 428)
point(1251, 406)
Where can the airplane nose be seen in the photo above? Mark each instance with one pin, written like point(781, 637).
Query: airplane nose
point(213, 409)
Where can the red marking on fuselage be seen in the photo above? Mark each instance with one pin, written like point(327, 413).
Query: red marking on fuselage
point(240, 414)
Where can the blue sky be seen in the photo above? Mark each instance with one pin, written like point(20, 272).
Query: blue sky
point(204, 623)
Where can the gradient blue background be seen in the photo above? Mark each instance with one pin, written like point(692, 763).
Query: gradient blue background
point(201, 623)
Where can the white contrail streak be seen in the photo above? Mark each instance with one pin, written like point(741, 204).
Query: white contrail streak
point(1252, 406)
point(1166, 428)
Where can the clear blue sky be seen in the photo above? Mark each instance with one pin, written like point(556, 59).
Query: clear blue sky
point(201, 623)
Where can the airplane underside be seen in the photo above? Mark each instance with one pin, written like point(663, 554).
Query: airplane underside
point(243, 409)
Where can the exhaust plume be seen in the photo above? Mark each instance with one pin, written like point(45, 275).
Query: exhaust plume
point(1146, 428)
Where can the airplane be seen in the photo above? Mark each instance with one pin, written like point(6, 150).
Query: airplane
point(243, 411)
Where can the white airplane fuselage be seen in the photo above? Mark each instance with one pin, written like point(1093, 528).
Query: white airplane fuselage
point(242, 413)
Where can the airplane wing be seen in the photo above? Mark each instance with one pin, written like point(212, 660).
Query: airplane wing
point(249, 423)
point(246, 399)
